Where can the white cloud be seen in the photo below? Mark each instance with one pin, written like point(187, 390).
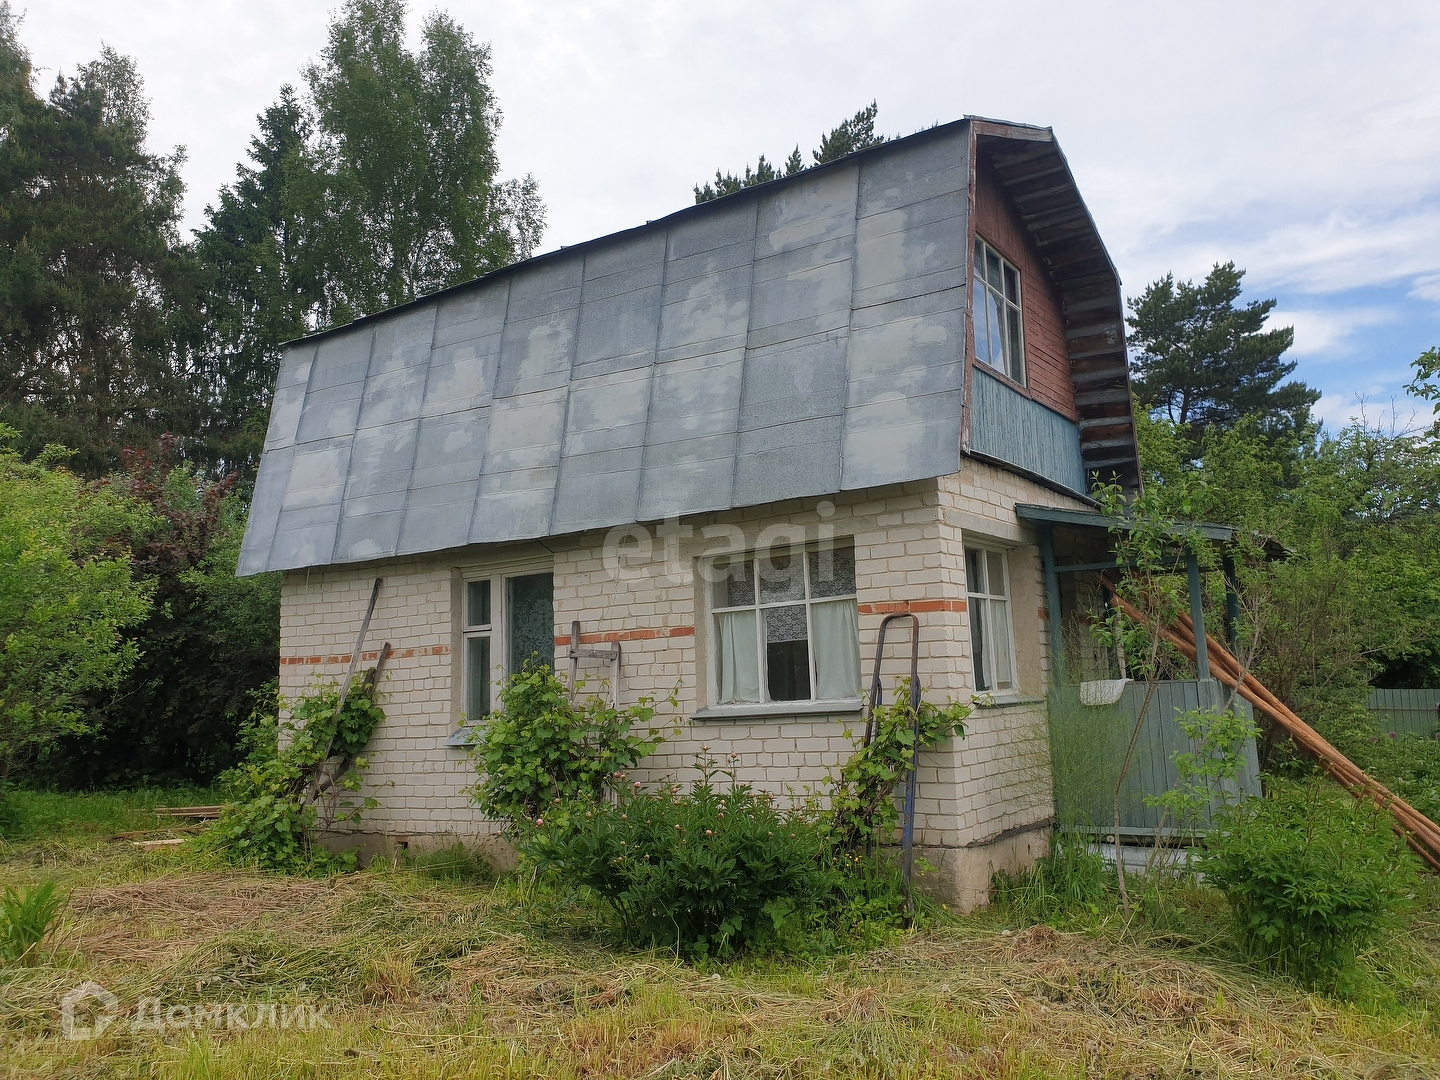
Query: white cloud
point(1426, 287)
point(1321, 333)
point(1387, 406)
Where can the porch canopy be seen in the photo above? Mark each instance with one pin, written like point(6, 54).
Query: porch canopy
point(1084, 537)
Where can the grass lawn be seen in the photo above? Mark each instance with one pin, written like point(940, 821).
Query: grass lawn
point(431, 970)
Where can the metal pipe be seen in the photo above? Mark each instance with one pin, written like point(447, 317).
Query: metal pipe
point(1052, 599)
point(1197, 616)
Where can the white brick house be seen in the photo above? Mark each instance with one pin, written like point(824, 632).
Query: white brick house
point(611, 434)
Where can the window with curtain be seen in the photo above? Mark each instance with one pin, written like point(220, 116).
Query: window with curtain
point(996, 287)
point(786, 627)
point(992, 646)
point(509, 631)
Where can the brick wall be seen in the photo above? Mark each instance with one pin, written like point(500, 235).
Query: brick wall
point(909, 544)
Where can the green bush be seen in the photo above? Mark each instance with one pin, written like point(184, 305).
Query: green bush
point(1312, 877)
point(540, 747)
point(297, 781)
point(1072, 880)
point(25, 919)
point(710, 872)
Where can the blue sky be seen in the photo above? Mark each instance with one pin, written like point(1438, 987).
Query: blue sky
point(1300, 139)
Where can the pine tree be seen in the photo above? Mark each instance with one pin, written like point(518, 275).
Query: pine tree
point(1202, 361)
point(856, 133)
point(98, 313)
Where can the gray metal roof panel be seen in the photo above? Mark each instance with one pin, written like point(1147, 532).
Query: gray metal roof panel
point(803, 337)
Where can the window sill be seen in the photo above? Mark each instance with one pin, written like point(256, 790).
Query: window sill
point(461, 737)
point(1005, 697)
point(779, 710)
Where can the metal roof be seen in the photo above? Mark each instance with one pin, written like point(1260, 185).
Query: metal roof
point(797, 339)
point(1093, 519)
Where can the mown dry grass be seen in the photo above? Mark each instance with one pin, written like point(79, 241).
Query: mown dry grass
point(420, 978)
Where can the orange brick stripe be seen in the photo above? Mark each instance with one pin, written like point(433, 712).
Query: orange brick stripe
point(344, 658)
point(911, 607)
point(629, 635)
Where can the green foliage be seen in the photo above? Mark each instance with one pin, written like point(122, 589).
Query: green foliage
point(10, 820)
point(540, 747)
point(297, 781)
point(1070, 882)
point(1406, 764)
point(1426, 383)
point(711, 872)
point(856, 133)
point(66, 597)
point(1356, 597)
point(1203, 362)
point(454, 865)
point(1208, 774)
point(1312, 878)
point(25, 919)
point(862, 800)
point(97, 291)
point(210, 641)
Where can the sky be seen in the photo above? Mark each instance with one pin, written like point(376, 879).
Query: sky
point(1299, 139)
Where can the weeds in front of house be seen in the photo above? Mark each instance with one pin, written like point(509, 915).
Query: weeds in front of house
point(541, 745)
point(26, 917)
point(421, 977)
point(1072, 882)
point(716, 869)
point(299, 779)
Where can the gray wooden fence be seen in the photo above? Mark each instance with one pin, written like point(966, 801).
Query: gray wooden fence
point(1088, 744)
point(1406, 712)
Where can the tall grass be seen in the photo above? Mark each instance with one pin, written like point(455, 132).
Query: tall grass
point(25, 918)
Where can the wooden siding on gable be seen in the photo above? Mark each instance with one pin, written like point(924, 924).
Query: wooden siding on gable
point(1009, 427)
point(1047, 363)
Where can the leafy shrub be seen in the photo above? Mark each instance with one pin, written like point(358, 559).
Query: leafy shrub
point(25, 919)
point(711, 871)
point(1072, 880)
point(297, 779)
point(863, 798)
point(540, 746)
point(67, 596)
point(1311, 877)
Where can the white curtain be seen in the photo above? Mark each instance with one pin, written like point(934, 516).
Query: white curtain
point(739, 666)
point(837, 650)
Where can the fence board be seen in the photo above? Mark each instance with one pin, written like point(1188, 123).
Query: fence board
point(1088, 744)
point(1406, 712)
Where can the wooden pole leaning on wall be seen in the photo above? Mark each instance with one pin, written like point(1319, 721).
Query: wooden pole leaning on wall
point(1417, 830)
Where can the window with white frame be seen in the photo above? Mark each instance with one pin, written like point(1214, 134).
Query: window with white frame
point(992, 646)
point(785, 627)
point(998, 339)
point(507, 620)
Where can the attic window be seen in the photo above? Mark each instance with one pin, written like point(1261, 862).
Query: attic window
point(997, 312)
